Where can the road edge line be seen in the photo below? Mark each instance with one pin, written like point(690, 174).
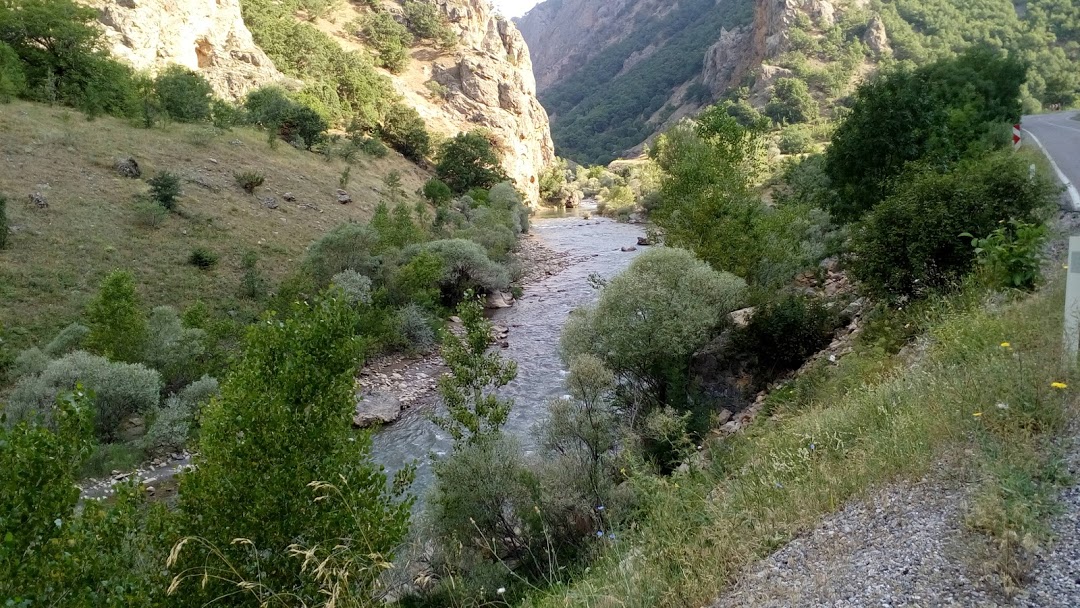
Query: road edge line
point(1074, 195)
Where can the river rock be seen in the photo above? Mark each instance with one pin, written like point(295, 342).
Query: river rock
point(132, 428)
point(741, 318)
point(499, 299)
point(628, 249)
point(643, 241)
point(375, 408)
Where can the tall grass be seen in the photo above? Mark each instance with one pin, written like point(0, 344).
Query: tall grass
point(874, 418)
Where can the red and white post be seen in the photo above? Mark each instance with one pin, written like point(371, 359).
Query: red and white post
point(1017, 136)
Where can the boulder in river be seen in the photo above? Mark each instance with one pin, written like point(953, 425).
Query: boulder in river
point(499, 299)
point(643, 241)
point(375, 408)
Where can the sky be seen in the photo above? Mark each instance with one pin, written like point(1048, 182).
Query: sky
point(514, 8)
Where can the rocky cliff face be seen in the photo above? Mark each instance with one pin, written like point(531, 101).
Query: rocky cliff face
point(488, 83)
point(205, 35)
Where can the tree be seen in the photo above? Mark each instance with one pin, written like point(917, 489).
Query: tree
point(12, 76)
point(473, 410)
point(279, 466)
point(651, 319)
point(937, 113)
point(468, 161)
point(405, 131)
point(3, 222)
point(791, 102)
point(390, 39)
point(117, 323)
point(185, 95)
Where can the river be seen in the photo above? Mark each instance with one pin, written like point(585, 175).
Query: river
point(535, 322)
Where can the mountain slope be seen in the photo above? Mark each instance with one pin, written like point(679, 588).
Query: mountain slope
point(612, 74)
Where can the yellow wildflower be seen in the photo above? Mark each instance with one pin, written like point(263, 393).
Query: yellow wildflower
point(977, 414)
point(1059, 385)
point(1006, 345)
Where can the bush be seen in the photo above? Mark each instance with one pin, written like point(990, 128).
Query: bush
point(289, 398)
point(427, 23)
point(355, 287)
point(405, 131)
point(3, 223)
point(119, 391)
point(350, 246)
point(651, 319)
point(390, 39)
point(70, 338)
point(468, 161)
point(791, 102)
point(784, 332)
point(149, 213)
point(437, 192)
point(418, 280)
point(30, 362)
point(373, 147)
point(12, 76)
point(796, 139)
point(172, 349)
point(185, 95)
point(165, 188)
point(910, 244)
point(249, 180)
point(465, 267)
point(414, 326)
point(1011, 257)
point(203, 258)
point(117, 325)
point(271, 108)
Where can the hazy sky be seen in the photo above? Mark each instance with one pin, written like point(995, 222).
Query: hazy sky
point(514, 8)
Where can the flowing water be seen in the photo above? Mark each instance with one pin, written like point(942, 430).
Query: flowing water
point(535, 322)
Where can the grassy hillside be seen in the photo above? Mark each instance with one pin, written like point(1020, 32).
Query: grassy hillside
point(56, 257)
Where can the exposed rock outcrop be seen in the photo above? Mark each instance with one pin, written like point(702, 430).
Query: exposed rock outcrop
point(204, 35)
point(727, 60)
point(876, 38)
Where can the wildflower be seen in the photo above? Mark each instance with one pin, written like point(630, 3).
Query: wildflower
point(1059, 385)
point(500, 590)
point(599, 534)
point(600, 507)
point(977, 414)
point(813, 447)
point(611, 536)
point(1006, 345)
point(1003, 406)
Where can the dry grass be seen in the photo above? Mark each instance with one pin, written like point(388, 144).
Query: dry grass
point(57, 256)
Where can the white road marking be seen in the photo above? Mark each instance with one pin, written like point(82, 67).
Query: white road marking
point(1074, 196)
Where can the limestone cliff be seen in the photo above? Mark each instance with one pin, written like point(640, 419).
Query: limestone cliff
point(205, 35)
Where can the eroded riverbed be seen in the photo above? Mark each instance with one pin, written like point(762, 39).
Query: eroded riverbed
point(535, 322)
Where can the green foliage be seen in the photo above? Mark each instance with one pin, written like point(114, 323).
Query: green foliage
point(784, 332)
point(37, 487)
point(279, 429)
point(468, 161)
point(791, 102)
point(406, 132)
point(390, 39)
point(911, 244)
point(173, 423)
point(1012, 255)
point(12, 76)
point(552, 181)
point(165, 189)
point(355, 287)
point(465, 266)
point(29, 362)
point(651, 319)
point(202, 258)
point(796, 139)
point(373, 147)
point(427, 23)
point(437, 192)
point(150, 214)
point(272, 109)
point(118, 391)
point(418, 280)
point(185, 95)
point(414, 326)
point(249, 180)
point(172, 349)
point(939, 113)
point(349, 246)
point(70, 338)
point(3, 223)
point(116, 321)
point(58, 44)
point(474, 411)
point(602, 109)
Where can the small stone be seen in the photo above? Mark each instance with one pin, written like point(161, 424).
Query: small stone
point(37, 199)
point(270, 202)
point(643, 241)
point(343, 197)
point(628, 249)
point(289, 197)
point(127, 167)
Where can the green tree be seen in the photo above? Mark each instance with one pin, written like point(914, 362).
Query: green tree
point(12, 75)
point(405, 131)
point(3, 222)
point(791, 102)
point(437, 192)
point(279, 465)
point(116, 321)
point(390, 39)
point(651, 319)
point(938, 113)
point(185, 95)
point(473, 410)
point(468, 161)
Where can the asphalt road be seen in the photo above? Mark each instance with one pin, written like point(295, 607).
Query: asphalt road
point(1059, 136)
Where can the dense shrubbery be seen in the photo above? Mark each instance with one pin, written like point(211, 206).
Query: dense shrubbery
point(791, 102)
point(390, 39)
point(468, 161)
point(117, 325)
point(184, 95)
point(784, 332)
point(910, 243)
point(404, 130)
